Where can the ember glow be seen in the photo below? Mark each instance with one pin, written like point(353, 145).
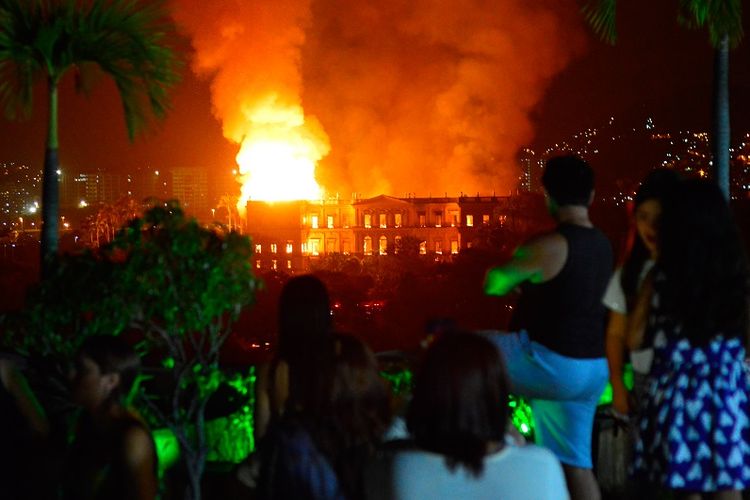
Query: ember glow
point(277, 158)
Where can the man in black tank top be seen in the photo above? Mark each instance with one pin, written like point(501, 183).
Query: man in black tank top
point(555, 356)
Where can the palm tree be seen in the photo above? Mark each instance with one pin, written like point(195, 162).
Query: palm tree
point(129, 40)
point(723, 18)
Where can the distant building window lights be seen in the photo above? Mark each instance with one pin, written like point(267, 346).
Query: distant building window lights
point(469, 220)
point(383, 223)
point(368, 221)
point(330, 222)
point(314, 221)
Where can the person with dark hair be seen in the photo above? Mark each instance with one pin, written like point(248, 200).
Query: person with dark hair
point(694, 432)
point(319, 451)
point(623, 287)
point(457, 419)
point(555, 354)
point(113, 454)
point(24, 428)
point(305, 324)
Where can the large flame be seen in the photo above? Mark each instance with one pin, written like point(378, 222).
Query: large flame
point(278, 155)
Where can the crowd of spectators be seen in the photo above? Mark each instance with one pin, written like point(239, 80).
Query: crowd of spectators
point(327, 427)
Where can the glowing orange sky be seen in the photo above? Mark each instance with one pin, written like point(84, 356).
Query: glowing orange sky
point(362, 90)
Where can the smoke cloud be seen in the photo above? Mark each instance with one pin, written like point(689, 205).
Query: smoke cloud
point(422, 96)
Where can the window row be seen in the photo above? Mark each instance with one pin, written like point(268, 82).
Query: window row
point(367, 246)
point(314, 221)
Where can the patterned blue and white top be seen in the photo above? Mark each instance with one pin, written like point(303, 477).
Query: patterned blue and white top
point(694, 431)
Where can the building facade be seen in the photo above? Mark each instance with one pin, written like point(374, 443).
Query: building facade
point(290, 235)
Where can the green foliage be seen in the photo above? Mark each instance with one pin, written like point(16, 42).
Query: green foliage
point(187, 277)
point(601, 15)
point(721, 17)
point(131, 41)
point(179, 283)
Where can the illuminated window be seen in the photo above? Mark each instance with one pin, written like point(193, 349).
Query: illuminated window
point(485, 219)
point(454, 247)
point(422, 220)
point(274, 265)
point(273, 248)
point(330, 245)
point(383, 245)
point(346, 247)
point(397, 222)
point(502, 219)
point(367, 245)
point(289, 264)
point(303, 248)
point(382, 220)
point(454, 219)
point(314, 246)
point(368, 221)
point(257, 264)
point(439, 247)
point(469, 221)
point(396, 244)
point(438, 219)
point(258, 248)
point(289, 247)
point(422, 248)
point(314, 221)
point(330, 222)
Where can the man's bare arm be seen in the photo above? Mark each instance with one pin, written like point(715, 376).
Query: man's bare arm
point(536, 261)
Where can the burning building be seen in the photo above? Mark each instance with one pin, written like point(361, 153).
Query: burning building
point(290, 235)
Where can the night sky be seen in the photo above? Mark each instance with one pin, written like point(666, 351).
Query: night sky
point(656, 68)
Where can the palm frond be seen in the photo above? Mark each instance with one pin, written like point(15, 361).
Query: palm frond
point(721, 17)
point(601, 16)
point(20, 65)
point(133, 41)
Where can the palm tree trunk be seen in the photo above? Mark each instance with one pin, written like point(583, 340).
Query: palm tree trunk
point(50, 190)
point(721, 116)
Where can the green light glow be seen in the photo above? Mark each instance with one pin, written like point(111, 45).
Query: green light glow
point(400, 381)
point(167, 449)
point(627, 377)
point(230, 438)
point(520, 416)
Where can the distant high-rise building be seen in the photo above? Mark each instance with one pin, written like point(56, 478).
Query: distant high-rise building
point(531, 166)
point(190, 188)
point(20, 191)
point(88, 188)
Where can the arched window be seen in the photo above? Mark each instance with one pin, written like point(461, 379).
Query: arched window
point(383, 245)
point(368, 246)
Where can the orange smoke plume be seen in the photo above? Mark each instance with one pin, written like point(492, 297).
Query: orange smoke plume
point(412, 95)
